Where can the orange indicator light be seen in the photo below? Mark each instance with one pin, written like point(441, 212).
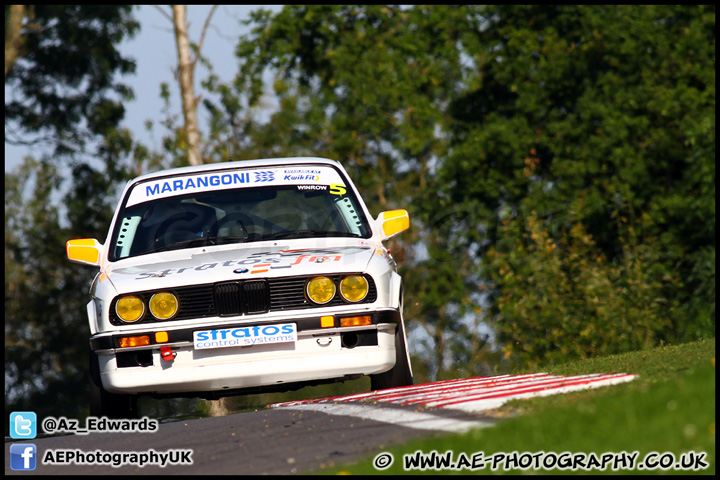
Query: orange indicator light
point(134, 341)
point(356, 321)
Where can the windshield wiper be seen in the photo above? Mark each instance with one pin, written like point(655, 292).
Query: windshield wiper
point(193, 242)
point(229, 239)
point(197, 242)
point(303, 234)
point(204, 241)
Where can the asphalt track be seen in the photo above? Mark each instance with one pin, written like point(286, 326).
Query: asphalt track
point(300, 437)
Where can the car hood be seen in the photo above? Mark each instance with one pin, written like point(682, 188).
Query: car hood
point(201, 265)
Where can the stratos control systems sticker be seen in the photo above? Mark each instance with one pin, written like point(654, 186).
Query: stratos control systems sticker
point(245, 336)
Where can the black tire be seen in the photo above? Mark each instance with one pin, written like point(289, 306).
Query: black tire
point(104, 403)
point(401, 374)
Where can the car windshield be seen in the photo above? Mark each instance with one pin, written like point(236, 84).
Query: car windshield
point(236, 211)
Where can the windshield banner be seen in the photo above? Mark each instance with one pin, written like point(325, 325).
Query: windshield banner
point(310, 177)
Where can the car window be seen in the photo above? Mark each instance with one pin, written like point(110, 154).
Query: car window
point(230, 215)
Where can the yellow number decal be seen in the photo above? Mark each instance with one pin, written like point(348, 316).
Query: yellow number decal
point(337, 189)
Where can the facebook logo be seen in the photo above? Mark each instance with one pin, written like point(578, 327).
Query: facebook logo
point(23, 425)
point(23, 456)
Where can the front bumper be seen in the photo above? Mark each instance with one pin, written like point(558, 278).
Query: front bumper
point(318, 354)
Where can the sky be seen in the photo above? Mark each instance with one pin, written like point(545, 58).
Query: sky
point(155, 53)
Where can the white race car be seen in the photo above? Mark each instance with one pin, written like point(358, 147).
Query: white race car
point(242, 277)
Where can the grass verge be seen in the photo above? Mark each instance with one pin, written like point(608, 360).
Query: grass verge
point(667, 413)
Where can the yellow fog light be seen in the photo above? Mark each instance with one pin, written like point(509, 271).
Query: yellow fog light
point(354, 288)
point(130, 308)
point(320, 290)
point(163, 305)
point(139, 341)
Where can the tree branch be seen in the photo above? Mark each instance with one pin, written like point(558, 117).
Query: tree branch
point(164, 13)
point(202, 34)
point(13, 38)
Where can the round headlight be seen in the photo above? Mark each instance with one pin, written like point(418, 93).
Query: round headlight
point(163, 305)
point(320, 290)
point(354, 288)
point(130, 308)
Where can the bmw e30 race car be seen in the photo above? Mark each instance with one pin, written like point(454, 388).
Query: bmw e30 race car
point(242, 277)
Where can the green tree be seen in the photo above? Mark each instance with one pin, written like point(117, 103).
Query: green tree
point(62, 83)
point(562, 298)
point(598, 121)
point(66, 103)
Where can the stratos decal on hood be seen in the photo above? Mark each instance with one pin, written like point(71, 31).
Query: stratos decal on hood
point(261, 262)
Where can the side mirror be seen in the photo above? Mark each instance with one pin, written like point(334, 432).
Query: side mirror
point(393, 222)
point(84, 250)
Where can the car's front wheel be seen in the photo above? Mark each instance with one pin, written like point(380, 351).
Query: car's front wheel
point(401, 374)
point(104, 403)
